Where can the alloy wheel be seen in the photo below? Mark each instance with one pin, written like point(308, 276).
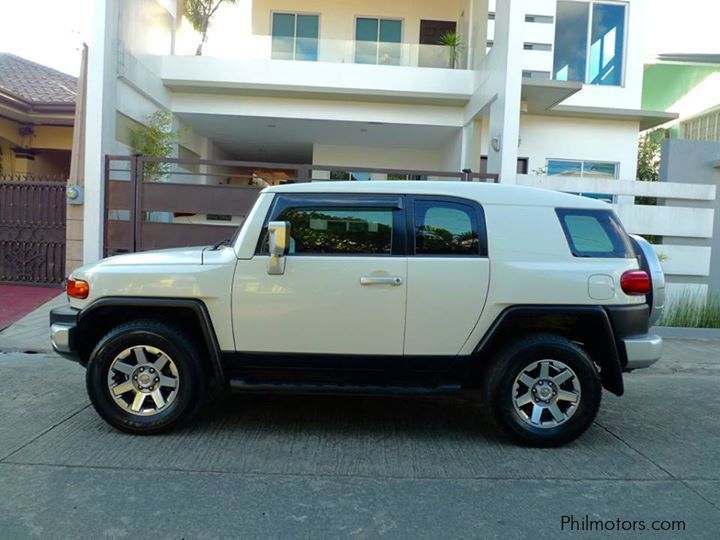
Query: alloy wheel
point(143, 380)
point(546, 393)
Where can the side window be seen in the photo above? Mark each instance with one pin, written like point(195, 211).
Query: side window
point(335, 230)
point(595, 233)
point(445, 228)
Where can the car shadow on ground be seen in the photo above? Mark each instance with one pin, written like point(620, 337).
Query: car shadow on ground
point(335, 414)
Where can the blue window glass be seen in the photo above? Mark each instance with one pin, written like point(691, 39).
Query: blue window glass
point(295, 37)
point(584, 169)
point(283, 36)
point(564, 168)
point(571, 33)
point(377, 41)
point(390, 37)
point(366, 37)
point(306, 47)
point(589, 42)
point(605, 64)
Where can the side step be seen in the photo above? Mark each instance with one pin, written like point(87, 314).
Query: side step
point(240, 385)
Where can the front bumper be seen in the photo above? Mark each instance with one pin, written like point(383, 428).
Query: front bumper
point(642, 351)
point(64, 332)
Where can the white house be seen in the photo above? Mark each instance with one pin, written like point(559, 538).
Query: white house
point(541, 87)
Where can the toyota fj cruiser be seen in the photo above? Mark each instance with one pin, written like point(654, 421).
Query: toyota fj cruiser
point(536, 298)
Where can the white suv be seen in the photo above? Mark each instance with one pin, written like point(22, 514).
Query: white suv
point(537, 298)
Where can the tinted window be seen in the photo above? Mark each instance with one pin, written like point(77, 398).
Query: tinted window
point(595, 233)
point(318, 230)
point(444, 228)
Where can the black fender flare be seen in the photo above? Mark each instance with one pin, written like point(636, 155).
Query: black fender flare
point(198, 307)
point(589, 324)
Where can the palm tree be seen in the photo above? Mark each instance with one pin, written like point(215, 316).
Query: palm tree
point(199, 13)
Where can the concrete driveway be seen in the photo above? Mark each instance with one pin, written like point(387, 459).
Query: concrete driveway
point(365, 467)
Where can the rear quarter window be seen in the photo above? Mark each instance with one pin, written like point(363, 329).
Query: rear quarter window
point(595, 233)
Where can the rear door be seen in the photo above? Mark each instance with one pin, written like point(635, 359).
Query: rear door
point(448, 273)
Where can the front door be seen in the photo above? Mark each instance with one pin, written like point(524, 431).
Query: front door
point(343, 290)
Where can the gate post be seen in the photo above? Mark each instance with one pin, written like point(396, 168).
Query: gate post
point(136, 181)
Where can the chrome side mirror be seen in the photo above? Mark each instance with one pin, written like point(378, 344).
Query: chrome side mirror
point(279, 238)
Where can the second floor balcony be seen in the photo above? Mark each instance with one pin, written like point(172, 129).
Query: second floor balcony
point(418, 34)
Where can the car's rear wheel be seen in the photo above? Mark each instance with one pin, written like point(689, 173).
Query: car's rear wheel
point(144, 377)
point(543, 390)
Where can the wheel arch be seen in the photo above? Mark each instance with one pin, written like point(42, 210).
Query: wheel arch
point(588, 325)
point(187, 314)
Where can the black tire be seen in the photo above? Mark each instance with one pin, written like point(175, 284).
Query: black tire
point(499, 392)
point(192, 379)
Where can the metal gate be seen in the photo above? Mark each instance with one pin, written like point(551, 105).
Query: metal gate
point(155, 203)
point(32, 230)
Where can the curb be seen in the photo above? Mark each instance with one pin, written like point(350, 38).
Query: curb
point(686, 333)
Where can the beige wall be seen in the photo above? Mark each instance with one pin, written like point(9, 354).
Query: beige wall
point(355, 157)
point(337, 17)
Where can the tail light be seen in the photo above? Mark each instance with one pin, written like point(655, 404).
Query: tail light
point(77, 288)
point(636, 282)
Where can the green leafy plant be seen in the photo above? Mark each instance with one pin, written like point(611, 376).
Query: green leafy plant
point(200, 13)
point(155, 140)
point(648, 164)
point(693, 310)
point(454, 45)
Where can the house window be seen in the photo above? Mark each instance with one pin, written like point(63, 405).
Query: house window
point(295, 36)
point(590, 42)
point(584, 169)
point(377, 41)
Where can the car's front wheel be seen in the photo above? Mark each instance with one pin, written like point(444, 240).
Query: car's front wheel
point(543, 390)
point(144, 377)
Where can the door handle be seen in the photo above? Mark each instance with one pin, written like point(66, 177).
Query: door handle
point(395, 281)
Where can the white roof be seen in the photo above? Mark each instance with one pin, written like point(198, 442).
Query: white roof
point(485, 193)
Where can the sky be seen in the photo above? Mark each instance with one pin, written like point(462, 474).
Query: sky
point(51, 32)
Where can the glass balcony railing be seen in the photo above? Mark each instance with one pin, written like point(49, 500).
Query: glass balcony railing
point(256, 47)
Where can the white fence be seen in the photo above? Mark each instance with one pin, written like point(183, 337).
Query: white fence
point(683, 217)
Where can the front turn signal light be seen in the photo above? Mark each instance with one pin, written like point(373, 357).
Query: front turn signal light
point(77, 288)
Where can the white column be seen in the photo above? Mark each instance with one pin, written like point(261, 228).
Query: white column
point(100, 123)
point(471, 145)
point(504, 132)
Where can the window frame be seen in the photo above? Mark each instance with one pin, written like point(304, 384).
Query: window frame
point(610, 199)
point(588, 39)
point(582, 163)
point(295, 37)
point(283, 202)
point(474, 206)
point(378, 18)
point(626, 253)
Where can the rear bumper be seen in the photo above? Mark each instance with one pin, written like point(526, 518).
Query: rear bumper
point(642, 351)
point(63, 332)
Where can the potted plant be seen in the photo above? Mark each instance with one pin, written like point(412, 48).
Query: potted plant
point(451, 40)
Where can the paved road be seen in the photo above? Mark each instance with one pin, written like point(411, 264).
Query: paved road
point(358, 467)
